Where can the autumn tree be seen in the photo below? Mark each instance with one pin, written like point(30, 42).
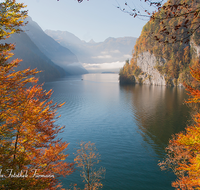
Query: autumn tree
point(86, 158)
point(31, 154)
point(184, 13)
point(183, 151)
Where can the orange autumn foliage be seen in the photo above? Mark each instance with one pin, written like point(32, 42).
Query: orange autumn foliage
point(86, 159)
point(171, 35)
point(183, 151)
point(31, 154)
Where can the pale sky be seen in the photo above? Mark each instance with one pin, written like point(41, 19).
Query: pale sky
point(93, 19)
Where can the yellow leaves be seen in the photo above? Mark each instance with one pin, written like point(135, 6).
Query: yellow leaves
point(193, 169)
point(43, 165)
point(183, 151)
point(10, 21)
point(60, 105)
point(27, 130)
point(86, 158)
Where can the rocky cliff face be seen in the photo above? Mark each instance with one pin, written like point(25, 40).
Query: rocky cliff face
point(151, 75)
point(147, 62)
point(165, 58)
point(196, 49)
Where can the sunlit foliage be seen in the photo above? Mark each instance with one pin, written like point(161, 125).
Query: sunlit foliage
point(172, 39)
point(86, 159)
point(183, 151)
point(29, 146)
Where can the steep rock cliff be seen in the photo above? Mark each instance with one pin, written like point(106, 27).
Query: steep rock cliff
point(147, 63)
point(157, 60)
point(196, 49)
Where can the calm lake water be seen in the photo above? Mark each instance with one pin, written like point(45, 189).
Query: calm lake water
point(130, 125)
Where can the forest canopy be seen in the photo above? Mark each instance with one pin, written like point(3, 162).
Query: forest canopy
point(172, 35)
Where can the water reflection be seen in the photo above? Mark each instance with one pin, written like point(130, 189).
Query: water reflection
point(130, 126)
point(159, 112)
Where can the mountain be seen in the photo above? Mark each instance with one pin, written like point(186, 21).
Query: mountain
point(32, 57)
point(58, 54)
point(111, 50)
point(168, 63)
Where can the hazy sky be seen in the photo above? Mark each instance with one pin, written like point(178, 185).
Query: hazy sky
point(93, 19)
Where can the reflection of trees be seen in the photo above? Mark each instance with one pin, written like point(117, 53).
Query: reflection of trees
point(159, 111)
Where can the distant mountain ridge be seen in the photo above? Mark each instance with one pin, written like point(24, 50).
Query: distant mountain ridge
point(111, 50)
point(60, 55)
point(47, 53)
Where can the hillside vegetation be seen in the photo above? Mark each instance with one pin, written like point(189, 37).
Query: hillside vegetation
point(177, 56)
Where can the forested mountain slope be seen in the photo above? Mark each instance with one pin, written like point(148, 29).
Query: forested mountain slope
point(165, 62)
point(32, 57)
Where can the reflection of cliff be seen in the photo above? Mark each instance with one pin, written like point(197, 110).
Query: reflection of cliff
point(160, 111)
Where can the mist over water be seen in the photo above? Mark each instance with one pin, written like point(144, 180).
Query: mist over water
point(130, 125)
point(103, 67)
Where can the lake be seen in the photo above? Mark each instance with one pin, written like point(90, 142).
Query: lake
point(130, 126)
